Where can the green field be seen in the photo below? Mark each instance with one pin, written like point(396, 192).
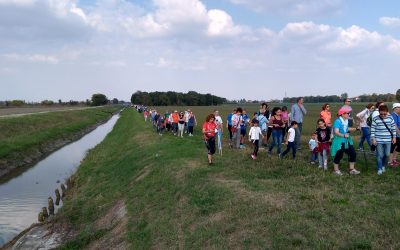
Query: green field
point(174, 200)
point(21, 135)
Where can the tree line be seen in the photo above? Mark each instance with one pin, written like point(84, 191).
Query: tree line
point(96, 100)
point(389, 97)
point(172, 98)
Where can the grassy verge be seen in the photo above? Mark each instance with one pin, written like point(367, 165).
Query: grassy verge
point(175, 200)
point(21, 135)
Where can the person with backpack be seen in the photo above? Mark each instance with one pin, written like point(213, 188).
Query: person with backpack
point(209, 127)
point(343, 143)
point(365, 128)
point(243, 127)
point(395, 149)
point(383, 135)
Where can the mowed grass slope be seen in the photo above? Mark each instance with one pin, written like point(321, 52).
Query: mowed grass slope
point(22, 134)
point(175, 200)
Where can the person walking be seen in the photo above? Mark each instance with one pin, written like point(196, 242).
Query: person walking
point(297, 114)
point(346, 105)
point(209, 127)
point(343, 143)
point(219, 130)
point(254, 137)
point(277, 124)
point(285, 118)
point(229, 125)
point(243, 127)
point(181, 124)
point(326, 115)
point(383, 135)
point(395, 149)
point(324, 138)
point(191, 123)
point(175, 120)
point(236, 120)
point(290, 141)
point(146, 115)
point(365, 129)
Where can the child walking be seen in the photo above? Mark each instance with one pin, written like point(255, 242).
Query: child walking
point(254, 137)
point(324, 138)
point(313, 148)
point(290, 140)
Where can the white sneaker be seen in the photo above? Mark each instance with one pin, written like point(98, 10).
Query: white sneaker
point(354, 172)
point(325, 167)
point(337, 172)
point(319, 167)
point(380, 172)
point(383, 169)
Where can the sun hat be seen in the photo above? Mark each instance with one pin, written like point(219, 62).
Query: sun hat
point(343, 110)
point(396, 105)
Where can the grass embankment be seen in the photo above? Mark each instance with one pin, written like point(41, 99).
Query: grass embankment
point(175, 200)
point(23, 135)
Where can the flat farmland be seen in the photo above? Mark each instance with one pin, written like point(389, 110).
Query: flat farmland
point(19, 111)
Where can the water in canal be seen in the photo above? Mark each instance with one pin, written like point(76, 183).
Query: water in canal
point(22, 197)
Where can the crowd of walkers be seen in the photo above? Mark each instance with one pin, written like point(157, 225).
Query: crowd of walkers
point(178, 123)
point(276, 128)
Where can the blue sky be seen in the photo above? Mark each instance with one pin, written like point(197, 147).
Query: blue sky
point(253, 49)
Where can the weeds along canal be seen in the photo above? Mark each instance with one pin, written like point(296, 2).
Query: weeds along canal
point(22, 197)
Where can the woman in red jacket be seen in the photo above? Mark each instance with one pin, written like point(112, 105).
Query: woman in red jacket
point(209, 136)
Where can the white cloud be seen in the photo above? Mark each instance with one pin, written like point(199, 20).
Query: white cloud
point(221, 24)
point(390, 21)
point(293, 7)
point(35, 58)
point(356, 37)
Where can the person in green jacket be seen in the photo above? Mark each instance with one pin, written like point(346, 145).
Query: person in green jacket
point(343, 142)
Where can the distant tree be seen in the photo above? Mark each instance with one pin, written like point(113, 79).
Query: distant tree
point(114, 101)
point(72, 102)
point(47, 102)
point(17, 103)
point(59, 101)
point(88, 103)
point(99, 99)
point(344, 96)
point(398, 95)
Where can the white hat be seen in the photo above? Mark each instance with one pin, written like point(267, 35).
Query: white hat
point(396, 105)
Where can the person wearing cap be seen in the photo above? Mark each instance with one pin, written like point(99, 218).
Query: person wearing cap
point(395, 149)
point(383, 135)
point(347, 106)
point(343, 142)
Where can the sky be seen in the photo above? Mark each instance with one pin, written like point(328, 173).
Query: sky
point(252, 49)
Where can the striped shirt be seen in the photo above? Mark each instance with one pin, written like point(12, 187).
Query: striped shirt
point(379, 132)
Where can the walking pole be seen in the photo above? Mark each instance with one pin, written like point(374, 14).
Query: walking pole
point(220, 142)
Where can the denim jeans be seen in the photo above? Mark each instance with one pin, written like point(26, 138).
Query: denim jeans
point(382, 154)
point(323, 158)
point(291, 145)
point(365, 135)
point(298, 130)
point(277, 140)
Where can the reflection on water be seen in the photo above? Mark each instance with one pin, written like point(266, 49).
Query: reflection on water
point(22, 198)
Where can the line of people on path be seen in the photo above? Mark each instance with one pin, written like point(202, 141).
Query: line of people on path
point(178, 123)
point(379, 128)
